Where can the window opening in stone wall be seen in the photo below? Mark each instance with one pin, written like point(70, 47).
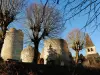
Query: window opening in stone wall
point(88, 50)
point(91, 49)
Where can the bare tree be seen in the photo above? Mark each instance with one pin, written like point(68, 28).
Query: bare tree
point(76, 41)
point(43, 20)
point(8, 11)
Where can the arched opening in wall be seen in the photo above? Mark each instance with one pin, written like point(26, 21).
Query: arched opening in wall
point(88, 50)
point(91, 49)
point(41, 61)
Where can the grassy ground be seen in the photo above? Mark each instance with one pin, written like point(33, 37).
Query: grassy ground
point(16, 68)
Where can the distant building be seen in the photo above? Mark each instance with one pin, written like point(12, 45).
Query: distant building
point(91, 53)
point(90, 47)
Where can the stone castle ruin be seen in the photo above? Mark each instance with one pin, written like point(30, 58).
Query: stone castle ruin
point(27, 54)
point(13, 44)
point(59, 47)
point(54, 49)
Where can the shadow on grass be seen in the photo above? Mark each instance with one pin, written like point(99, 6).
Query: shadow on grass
point(18, 68)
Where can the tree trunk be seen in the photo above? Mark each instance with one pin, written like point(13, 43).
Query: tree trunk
point(36, 53)
point(77, 56)
point(4, 29)
point(1, 44)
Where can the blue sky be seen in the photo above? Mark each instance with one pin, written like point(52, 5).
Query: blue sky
point(77, 22)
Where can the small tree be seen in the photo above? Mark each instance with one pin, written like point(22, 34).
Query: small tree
point(43, 20)
point(54, 56)
point(76, 40)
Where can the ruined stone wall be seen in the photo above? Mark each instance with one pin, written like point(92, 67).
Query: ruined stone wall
point(13, 44)
point(59, 45)
point(27, 54)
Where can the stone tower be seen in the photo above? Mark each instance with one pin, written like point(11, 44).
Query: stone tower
point(91, 53)
point(27, 54)
point(13, 44)
point(90, 47)
point(61, 48)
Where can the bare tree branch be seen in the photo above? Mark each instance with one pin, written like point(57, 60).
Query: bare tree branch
point(43, 20)
point(91, 8)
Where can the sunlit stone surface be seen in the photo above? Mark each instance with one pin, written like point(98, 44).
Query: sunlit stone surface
point(13, 44)
point(27, 54)
point(61, 48)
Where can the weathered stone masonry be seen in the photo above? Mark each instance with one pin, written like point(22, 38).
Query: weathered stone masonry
point(13, 44)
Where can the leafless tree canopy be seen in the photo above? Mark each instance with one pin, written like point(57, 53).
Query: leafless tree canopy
point(44, 21)
point(8, 10)
point(12, 6)
point(75, 38)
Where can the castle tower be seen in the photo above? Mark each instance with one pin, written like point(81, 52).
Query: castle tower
point(27, 54)
point(90, 47)
point(13, 44)
point(61, 48)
